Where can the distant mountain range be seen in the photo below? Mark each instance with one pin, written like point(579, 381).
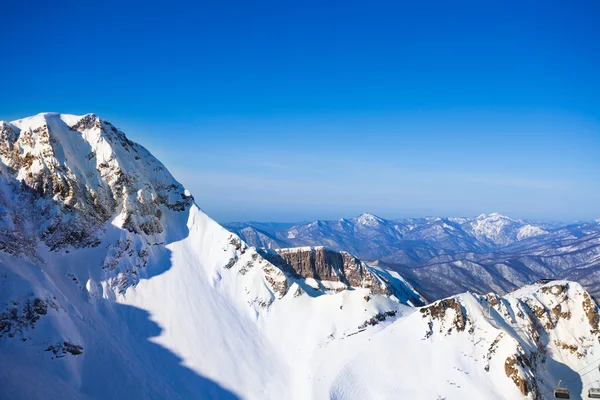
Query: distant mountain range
point(115, 285)
point(442, 256)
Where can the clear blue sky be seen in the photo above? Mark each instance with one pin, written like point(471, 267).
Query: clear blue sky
point(297, 110)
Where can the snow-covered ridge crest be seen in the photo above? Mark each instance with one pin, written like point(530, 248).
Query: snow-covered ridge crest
point(500, 230)
point(535, 327)
point(86, 172)
point(474, 346)
point(113, 274)
point(92, 305)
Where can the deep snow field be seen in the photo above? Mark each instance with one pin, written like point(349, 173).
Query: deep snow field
point(115, 285)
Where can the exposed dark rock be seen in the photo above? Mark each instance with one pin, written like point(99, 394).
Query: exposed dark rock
point(377, 318)
point(22, 314)
point(512, 371)
point(61, 349)
point(438, 310)
point(324, 264)
point(66, 208)
point(591, 311)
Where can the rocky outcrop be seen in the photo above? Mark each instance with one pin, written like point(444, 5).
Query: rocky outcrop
point(22, 314)
point(535, 326)
point(72, 175)
point(377, 318)
point(591, 312)
point(61, 349)
point(515, 368)
point(323, 264)
point(325, 270)
point(438, 311)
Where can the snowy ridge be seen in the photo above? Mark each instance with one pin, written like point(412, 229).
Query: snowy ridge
point(471, 346)
point(115, 285)
point(501, 230)
point(111, 273)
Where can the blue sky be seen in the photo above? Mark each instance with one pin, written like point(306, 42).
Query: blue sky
point(298, 110)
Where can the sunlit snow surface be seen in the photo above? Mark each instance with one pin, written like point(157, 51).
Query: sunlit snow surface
point(189, 311)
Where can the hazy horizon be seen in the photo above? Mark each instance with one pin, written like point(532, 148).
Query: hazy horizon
point(393, 218)
point(289, 112)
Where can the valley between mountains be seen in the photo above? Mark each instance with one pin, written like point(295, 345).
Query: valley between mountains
point(445, 256)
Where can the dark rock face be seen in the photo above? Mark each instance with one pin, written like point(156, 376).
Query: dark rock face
point(591, 312)
point(437, 311)
point(61, 349)
point(22, 314)
point(526, 384)
point(323, 264)
point(338, 270)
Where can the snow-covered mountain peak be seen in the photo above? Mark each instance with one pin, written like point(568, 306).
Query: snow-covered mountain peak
point(498, 229)
point(367, 219)
point(527, 231)
point(85, 172)
point(114, 284)
point(492, 217)
point(102, 249)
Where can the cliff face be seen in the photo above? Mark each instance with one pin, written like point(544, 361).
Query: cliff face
point(338, 270)
point(323, 264)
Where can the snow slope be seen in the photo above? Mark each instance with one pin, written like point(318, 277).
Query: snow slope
point(115, 285)
point(122, 287)
point(534, 338)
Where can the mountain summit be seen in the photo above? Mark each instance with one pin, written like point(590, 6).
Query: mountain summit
point(115, 285)
point(111, 275)
point(367, 219)
point(91, 174)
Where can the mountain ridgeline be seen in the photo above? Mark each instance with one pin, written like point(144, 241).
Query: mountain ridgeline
point(115, 285)
point(444, 256)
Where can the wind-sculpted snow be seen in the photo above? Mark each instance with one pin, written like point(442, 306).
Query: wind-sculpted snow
point(115, 285)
